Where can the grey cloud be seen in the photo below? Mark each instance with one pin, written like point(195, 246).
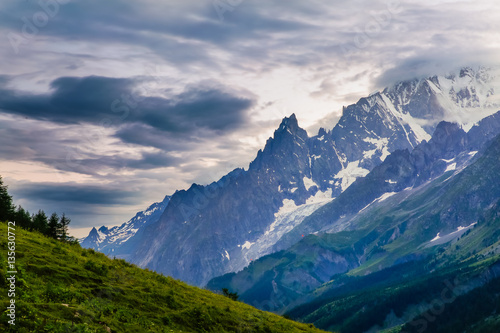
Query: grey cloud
point(72, 100)
point(94, 164)
point(84, 194)
point(4, 79)
point(173, 31)
point(145, 135)
point(96, 99)
point(65, 150)
point(428, 62)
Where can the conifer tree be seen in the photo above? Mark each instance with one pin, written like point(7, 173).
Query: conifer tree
point(22, 218)
point(64, 223)
point(54, 227)
point(40, 222)
point(6, 206)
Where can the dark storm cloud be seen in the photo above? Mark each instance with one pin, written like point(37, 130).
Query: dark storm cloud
point(67, 192)
point(94, 164)
point(101, 100)
point(72, 100)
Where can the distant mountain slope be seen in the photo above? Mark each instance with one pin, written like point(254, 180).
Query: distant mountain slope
point(64, 288)
point(117, 240)
point(462, 297)
point(210, 230)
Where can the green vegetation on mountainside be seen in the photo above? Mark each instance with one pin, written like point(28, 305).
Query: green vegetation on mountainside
point(442, 299)
point(62, 287)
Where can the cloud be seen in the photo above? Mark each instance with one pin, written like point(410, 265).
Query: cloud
point(86, 205)
point(68, 148)
point(75, 193)
point(71, 100)
point(182, 33)
point(115, 101)
point(432, 62)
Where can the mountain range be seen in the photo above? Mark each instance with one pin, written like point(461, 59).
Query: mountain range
point(384, 148)
point(402, 211)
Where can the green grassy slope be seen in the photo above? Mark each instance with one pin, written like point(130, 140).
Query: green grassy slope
point(64, 288)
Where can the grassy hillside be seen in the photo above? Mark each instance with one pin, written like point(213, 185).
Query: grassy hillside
point(64, 288)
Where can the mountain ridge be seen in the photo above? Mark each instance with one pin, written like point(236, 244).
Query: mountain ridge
point(211, 230)
point(404, 227)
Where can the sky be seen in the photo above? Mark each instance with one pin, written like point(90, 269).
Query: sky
point(108, 106)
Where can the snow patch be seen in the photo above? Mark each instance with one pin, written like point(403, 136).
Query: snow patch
point(385, 196)
point(406, 119)
point(320, 197)
point(381, 145)
point(436, 238)
point(308, 183)
point(286, 218)
point(349, 174)
point(449, 237)
point(247, 245)
point(451, 167)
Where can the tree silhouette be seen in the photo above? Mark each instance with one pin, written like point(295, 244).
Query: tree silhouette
point(64, 223)
point(22, 218)
point(6, 206)
point(40, 222)
point(234, 296)
point(54, 227)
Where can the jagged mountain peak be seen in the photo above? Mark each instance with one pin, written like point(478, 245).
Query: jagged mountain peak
point(288, 139)
point(322, 132)
point(291, 126)
point(103, 229)
point(93, 233)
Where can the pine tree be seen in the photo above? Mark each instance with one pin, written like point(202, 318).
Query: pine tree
point(22, 218)
point(64, 223)
point(6, 206)
point(40, 222)
point(54, 227)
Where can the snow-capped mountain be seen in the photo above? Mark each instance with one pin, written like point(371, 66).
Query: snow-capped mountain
point(207, 231)
point(111, 241)
point(352, 229)
point(449, 149)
